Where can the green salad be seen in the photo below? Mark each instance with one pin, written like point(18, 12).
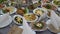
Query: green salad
point(48, 6)
point(2, 1)
point(39, 25)
point(18, 20)
point(56, 2)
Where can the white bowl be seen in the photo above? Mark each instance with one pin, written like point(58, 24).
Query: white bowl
point(32, 20)
point(15, 21)
point(43, 15)
point(34, 29)
point(45, 11)
point(55, 4)
point(58, 9)
point(12, 11)
point(50, 4)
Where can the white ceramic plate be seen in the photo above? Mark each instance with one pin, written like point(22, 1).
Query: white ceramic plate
point(13, 11)
point(6, 23)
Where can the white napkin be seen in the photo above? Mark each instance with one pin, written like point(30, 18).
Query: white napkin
point(4, 17)
point(27, 29)
point(55, 20)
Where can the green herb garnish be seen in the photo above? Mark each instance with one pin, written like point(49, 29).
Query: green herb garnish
point(48, 6)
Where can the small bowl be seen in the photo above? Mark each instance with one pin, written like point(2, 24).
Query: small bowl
point(58, 9)
point(32, 20)
point(55, 4)
point(17, 22)
point(38, 29)
point(43, 15)
point(52, 5)
point(45, 11)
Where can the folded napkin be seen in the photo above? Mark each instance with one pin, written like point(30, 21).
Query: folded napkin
point(26, 28)
point(55, 20)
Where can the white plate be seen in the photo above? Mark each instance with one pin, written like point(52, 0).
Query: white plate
point(32, 20)
point(43, 29)
point(13, 11)
point(6, 23)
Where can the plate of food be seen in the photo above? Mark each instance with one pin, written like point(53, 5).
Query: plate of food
point(39, 26)
point(56, 2)
point(18, 19)
point(9, 10)
point(21, 11)
point(39, 11)
point(30, 17)
point(49, 6)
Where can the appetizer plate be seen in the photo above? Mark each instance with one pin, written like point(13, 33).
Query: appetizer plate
point(34, 28)
point(6, 22)
point(32, 17)
point(18, 19)
point(42, 11)
point(12, 10)
point(49, 6)
point(51, 27)
point(57, 2)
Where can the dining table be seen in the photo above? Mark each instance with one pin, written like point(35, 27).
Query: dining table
point(6, 29)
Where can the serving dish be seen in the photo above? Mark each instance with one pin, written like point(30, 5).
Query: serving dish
point(18, 19)
point(38, 26)
point(49, 6)
point(22, 11)
point(30, 17)
point(9, 10)
point(41, 12)
point(56, 2)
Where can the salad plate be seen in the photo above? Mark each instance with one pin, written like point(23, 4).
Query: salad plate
point(38, 26)
point(9, 10)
